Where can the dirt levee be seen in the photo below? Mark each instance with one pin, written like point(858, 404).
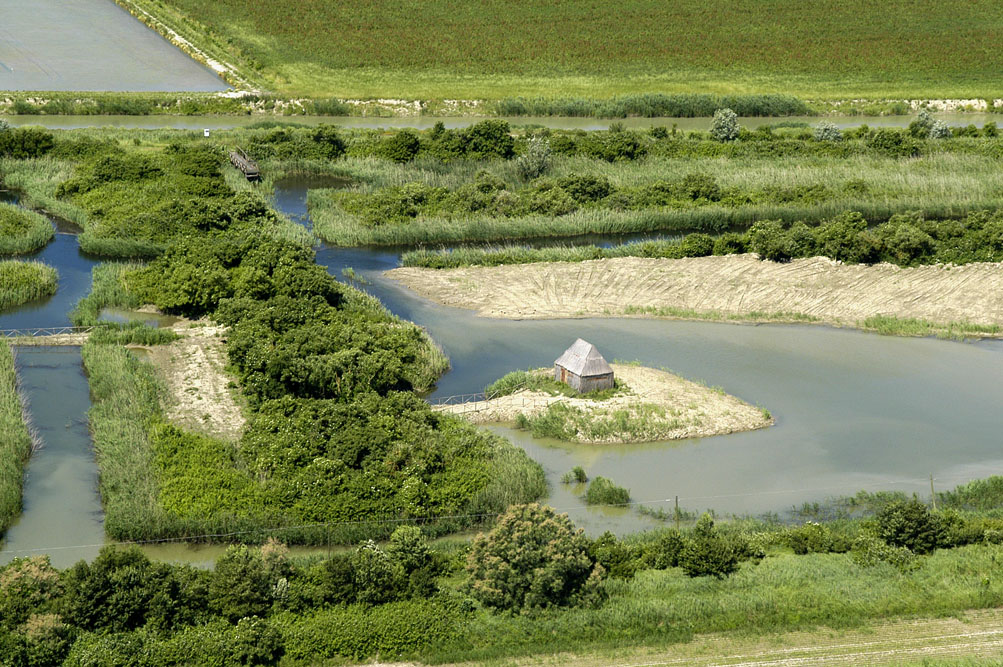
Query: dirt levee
point(731, 285)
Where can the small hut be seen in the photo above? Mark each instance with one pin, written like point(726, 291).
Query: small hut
point(583, 368)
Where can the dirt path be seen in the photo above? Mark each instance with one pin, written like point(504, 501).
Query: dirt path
point(659, 406)
point(200, 393)
point(976, 634)
point(723, 287)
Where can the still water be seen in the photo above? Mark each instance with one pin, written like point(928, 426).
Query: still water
point(90, 45)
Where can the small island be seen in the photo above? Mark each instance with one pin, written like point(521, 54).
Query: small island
point(621, 403)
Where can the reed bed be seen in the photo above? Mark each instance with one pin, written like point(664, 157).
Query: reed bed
point(16, 441)
point(36, 181)
point(22, 282)
point(22, 231)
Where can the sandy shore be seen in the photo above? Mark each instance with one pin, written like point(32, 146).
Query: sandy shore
point(723, 287)
point(659, 405)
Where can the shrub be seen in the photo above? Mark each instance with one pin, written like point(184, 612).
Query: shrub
point(621, 561)
point(810, 538)
point(827, 131)
point(893, 143)
point(532, 559)
point(724, 126)
point(696, 245)
point(241, 585)
point(990, 130)
point(707, 554)
point(920, 128)
point(667, 549)
point(603, 491)
point(401, 147)
point(940, 130)
point(910, 524)
point(25, 142)
point(768, 239)
point(536, 160)
point(869, 551)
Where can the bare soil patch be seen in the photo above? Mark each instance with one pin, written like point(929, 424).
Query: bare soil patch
point(201, 395)
point(659, 406)
point(739, 287)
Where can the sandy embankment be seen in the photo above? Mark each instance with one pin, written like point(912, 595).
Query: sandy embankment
point(731, 286)
point(669, 407)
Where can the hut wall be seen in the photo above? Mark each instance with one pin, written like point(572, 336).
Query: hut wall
point(594, 383)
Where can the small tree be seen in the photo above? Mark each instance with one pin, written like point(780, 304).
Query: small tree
point(534, 558)
point(241, 585)
point(826, 131)
point(706, 553)
point(724, 127)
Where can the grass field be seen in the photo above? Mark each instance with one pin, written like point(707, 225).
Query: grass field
point(493, 49)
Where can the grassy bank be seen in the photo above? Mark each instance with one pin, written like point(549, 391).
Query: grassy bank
point(22, 231)
point(21, 282)
point(495, 50)
point(15, 440)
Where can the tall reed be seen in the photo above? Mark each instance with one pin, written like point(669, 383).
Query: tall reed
point(21, 282)
point(22, 231)
point(15, 439)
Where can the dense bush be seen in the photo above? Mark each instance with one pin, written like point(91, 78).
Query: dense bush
point(533, 559)
point(827, 131)
point(25, 142)
point(912, 525)
point(706, 553)
point(724, 126)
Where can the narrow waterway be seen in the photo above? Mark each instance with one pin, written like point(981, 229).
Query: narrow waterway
point(62, 511)
point(58, 122)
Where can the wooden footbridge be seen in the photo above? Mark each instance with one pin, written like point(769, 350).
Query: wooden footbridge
point(242, 161)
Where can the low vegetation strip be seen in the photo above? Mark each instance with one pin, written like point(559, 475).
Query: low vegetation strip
point(15, 440)
point(732, 287)
point(21, 282)
point(649, 405)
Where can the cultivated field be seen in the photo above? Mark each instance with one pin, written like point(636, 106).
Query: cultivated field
point(736, 287)
point(495, 49)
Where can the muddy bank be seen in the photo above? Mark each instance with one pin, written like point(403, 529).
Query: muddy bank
point(655, 406)
point(734, 287)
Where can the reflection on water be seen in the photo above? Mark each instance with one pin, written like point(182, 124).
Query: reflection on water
point(91, 45)
point(62, 510)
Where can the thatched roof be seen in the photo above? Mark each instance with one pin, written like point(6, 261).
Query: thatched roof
point(583, 359)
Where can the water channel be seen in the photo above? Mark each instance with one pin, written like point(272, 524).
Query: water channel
point(854, 411)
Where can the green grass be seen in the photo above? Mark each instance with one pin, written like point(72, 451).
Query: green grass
point(603, 491)
point(949, 181)
point(782, 593)
point(36, 181)
point(888, 325)
point(496, 49)
point(21, 282)
point(542, 380)
point(718, 316)
point(107, 289)
point(15, 440)
point(22, 231)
